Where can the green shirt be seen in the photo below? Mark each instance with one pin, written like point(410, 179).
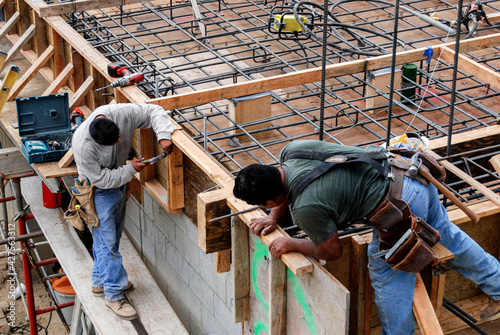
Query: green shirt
point(344, 194)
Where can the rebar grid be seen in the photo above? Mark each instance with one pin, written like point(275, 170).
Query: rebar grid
point(231, 42)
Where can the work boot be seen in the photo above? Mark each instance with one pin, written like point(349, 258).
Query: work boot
point(491, 311)
point(99, 291)
point(123, 309)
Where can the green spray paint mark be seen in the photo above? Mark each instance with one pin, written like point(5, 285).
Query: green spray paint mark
point(260, 255)
point(260, 328)
point(301, 298)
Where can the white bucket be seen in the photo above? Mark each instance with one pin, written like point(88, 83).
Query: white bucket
point(67, 311)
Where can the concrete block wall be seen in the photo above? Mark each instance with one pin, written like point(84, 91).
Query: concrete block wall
point(202, 298)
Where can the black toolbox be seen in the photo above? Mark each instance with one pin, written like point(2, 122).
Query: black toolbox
point(44, 127)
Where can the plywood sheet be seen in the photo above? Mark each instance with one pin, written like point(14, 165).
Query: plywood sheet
point(316, 303)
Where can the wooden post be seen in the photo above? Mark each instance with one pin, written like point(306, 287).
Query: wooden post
point(223, 261)
point(241, 270)
point(58, 60)
point(424, 313)
point(214, 236)
point(360, 288)
point(277, 296)
point(175, 181)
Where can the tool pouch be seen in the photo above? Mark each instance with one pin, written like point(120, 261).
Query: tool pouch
point(82, 195)
point(392, 218)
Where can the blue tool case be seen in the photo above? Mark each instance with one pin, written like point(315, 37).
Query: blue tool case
point(44, 127)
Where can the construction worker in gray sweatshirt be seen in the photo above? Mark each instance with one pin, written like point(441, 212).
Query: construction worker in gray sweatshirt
point(101, 146)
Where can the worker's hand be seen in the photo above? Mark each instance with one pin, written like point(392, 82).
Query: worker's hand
point(280, 246)
point(167, 146)
point(263, 225)
point(138, 166)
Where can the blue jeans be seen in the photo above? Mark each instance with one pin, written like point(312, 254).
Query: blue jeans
point(108, 270)
point(394, 289)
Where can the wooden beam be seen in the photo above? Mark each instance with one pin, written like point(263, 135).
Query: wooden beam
point(81, 93)
point(241, 270)
point(495, 162)
point(424, 313)
point(214, 236)
point(175, 181)
point(31, 72)
point(360, 287)
point(82, 5)
point(468, 179)
point(60, 81)
point(58, 60)
point(12, 161)
point(472, 67)
point(67, 159)
point(277, 297)
point(296, 261)
point(223, 261)
point(25, 38)
point(9, 25)
point(311, 75)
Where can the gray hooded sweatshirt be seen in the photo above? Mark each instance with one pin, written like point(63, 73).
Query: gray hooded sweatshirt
point(105, 165)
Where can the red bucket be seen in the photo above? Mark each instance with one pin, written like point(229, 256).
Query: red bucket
point(50, 200)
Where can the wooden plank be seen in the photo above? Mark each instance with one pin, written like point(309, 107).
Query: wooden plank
point(175, 181)
point(424, 313)
point(214, 236)
point(157, 191)
point(495, 162)
point(146, 150)
point(40, 42)
point(12, 161)
point(156, 314)
point(58, 60)
point(241, 270)
point(495, 198)
point(60, 81)
point(465, 136)
point(25, 38)
point(82, 5)
point(77, 97)
point(31, 72)
point(24, 20)
point(296, 261)
point(277, 297)
point(360, 287)
point(312, 75)
point(9, 25)
point(472, 67)
point(67, 159)
point(223, 261)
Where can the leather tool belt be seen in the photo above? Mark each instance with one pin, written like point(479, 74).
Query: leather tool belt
point(81, 209)
point(392, 218)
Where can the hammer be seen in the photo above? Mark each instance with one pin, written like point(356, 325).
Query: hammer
point(154, 160)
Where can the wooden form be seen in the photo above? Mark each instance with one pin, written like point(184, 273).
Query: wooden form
point(95, 65)
point(424, 313)
point(214, 236)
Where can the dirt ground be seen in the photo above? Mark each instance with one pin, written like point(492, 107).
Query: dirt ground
point(48, 323)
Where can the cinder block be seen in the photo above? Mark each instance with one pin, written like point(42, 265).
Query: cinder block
point(180, 308)
point(166, 226)
point(160, 242)
point(149, 228)
point(216, 281)
point(192, 233)
point(225, 316)
point(175, 259)
point(133, 210)
point(148, 250)
point(133, 232)
point(201, 288)
point(148, 204)
point(211, 325)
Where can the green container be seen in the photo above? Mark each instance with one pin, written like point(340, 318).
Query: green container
point(408, 80)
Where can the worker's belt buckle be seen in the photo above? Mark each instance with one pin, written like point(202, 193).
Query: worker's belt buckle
point(337, 159)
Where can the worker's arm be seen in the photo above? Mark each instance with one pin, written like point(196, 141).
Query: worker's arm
point(329, 250)
point(267, 224)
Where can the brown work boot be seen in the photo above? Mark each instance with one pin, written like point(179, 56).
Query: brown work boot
point(99, 291)
point(123, 309)
point(491, 311)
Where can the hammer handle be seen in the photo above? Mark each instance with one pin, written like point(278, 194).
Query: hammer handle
point(424, 171)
